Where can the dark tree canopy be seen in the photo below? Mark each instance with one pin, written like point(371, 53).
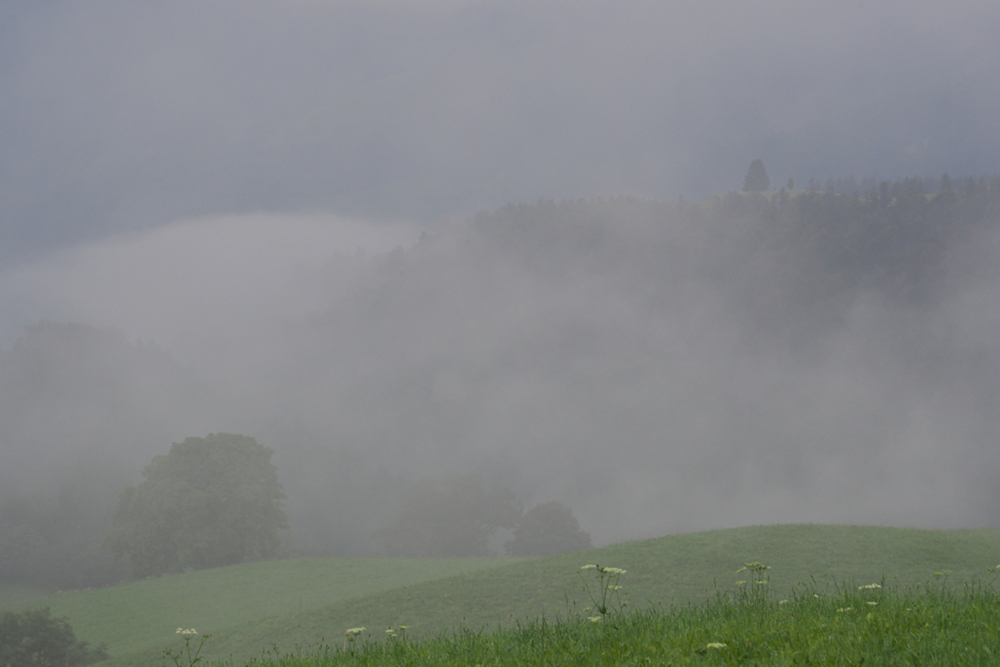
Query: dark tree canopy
point(756, 179)
point(35, 639)
point(211, 501)
point(548, 529)
point(452, 517)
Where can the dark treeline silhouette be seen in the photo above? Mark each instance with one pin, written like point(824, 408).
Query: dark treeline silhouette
point(931, 185)
point(801, 252)
point(892, 238)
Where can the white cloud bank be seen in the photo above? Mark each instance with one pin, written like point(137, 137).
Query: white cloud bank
point(196, 286)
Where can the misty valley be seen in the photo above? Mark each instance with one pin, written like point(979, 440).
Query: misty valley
point(532, 381)
point(480, 332)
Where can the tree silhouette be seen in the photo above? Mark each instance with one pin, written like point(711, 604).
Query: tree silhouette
point(548, 529)
point(451, 517)
point(34, 638)
point(211, 501)
point(756, 179)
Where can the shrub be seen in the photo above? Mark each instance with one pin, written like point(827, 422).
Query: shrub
point(548, 529)
point(36, 639)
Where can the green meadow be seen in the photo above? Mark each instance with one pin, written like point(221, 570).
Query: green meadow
point(865, 625)
point(275, 608)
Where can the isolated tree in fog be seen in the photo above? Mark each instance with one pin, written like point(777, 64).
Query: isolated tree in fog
point(547, 529)
point(756, 179)
point(211, 501)
point(451, 517)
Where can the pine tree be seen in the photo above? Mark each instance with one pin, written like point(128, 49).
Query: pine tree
point(756, 179)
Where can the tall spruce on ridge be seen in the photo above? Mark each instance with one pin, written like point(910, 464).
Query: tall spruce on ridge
point(756, 179)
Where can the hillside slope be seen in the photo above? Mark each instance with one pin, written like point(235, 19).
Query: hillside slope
point(673, 570)
point(129, 617)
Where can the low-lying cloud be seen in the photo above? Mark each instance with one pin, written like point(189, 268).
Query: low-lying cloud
point(598, 364)
point(207, 289)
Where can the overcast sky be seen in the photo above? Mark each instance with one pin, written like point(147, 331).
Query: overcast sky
point(198, 173)
point(121, 115)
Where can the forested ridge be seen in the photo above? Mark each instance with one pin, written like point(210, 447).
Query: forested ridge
point(894, 238)
point(776, 255)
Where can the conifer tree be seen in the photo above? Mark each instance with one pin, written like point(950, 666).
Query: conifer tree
point(756, 179)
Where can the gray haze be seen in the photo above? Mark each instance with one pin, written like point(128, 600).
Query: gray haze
point(604, 360)
point(237, 190)
point(118, 116)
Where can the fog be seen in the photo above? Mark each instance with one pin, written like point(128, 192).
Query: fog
point(118, 117)
point(595, 361)
point(265, 218)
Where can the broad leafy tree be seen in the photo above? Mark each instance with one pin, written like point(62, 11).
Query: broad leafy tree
point(211, 501)
point(547, 529)
point(451, 517)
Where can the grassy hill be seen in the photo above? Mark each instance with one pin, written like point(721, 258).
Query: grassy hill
point(142, 614)
point(303, 602)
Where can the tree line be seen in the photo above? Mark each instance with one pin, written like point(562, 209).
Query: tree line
point(216, 501)
point(894, 238)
